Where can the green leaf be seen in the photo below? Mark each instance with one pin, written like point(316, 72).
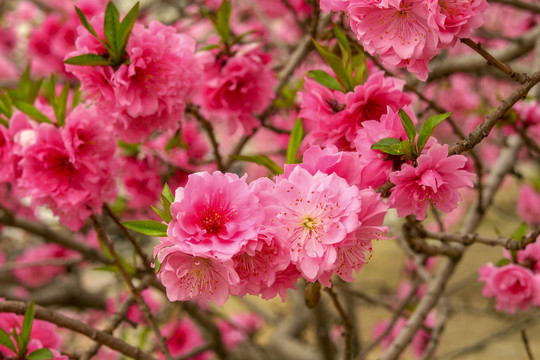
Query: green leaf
point(163, 215)
point(61, 106)
point(32, 111)
point(176, 141)
point(5, 340)
point(6, 106)
point(85, 22)
point(502, 262)
point(407, 125)
point(223, 17)
point(386, 145)
point(428, 128)
point(27, 327)
point(520, 232)
point(110, 28)
point(40, 354)
point(336, 65)
point(261, 160)
point(238, 39)
point(108, 268)
point(209, 47)
point(88, 60)
point(167, 193)
point(325, 80)
point(297, 134)
point(157, 265)
point(18, 340)
point(129, 149)
point(343, 44)
point(125, 28)
point(147, 227)
point(76, 97)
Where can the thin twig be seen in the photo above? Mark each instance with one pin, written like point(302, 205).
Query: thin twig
point(207, 126)
point(526, 344)
point(519, 77)
point(38, 263)
point(143, 306)
point(55, 317)
point(524, 5)
point(347, 325)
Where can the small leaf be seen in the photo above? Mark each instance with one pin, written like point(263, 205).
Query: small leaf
point(209, 47)
point(110, 28)
point(32, 111)
point(40, 354)
point(343, 44)
point(61, 106)
point(237, 39)
point(261, 160)
point(147, 227)
point(336, 65)
point(520, 232)
point(27, 327)
point(157, 264)
point(6, 106)
point(428, 128)
point(325, 80)
point(502, 262)
point(125, 28)
point(297, 134)
point(408, 125)
point(5, 340)
point(163, 215)
point(223, 17)
point(385, 145)
point(168, 193)
point(88, 60)
point(108, 268)
point(85, 22)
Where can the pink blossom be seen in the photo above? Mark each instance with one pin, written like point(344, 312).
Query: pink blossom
point(333, 5)
point(134, 314)
point(151, 92)
point(236, 87)
point(512, 286)
point(435, 181)
point(141, 178)
point(527, 206)
point(316, 215)
point(377, 164)
point(214, 215)
point(456, 18)
point(182, 337)
point(187, 277)
point(42, 335)
point(36, 276)
point(343, 115)
point(398, 31)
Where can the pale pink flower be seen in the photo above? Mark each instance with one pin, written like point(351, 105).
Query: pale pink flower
point(398, 31)
point(435, 181)
point(528, 204)
point(316, 215)
point(513, 286)
point(344, 114)
point(333, 5)
point(182, 337)
point(456, 18)
point(134, 314)
point(42, 335)
point(236, 87)
point(141, 178)
point(528, 257)
point(214, 215)
point(285, 279)
point(36, 276)
point(187, 277)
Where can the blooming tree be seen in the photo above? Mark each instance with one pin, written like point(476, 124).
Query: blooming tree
point(164, 160)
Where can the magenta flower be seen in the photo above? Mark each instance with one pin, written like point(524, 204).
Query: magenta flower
point(513, 286)
point(214, 215)
point(435, 181)
point(236, 87)
point(187, 277)
point(182, 337)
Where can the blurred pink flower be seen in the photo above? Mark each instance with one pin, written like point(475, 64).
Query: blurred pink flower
point(182, 336)
point(528, 205)
point(513, 286)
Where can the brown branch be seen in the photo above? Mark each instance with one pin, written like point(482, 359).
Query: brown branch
point(57, 237)
point(127, 234)
point(45, 262)
point(52, 316)
point(472, 64)
point(435, 335)
point(143, 306)
point(526, 344)
point(347, 325)
point(523, 5)
point(491, 60)
point(207, 126)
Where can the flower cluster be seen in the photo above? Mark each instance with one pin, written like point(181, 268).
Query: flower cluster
point(409, 33)
point(514, 285)
point(228, 237)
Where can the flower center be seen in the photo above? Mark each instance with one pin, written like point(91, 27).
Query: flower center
point(309, 223)
point(214, 220)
